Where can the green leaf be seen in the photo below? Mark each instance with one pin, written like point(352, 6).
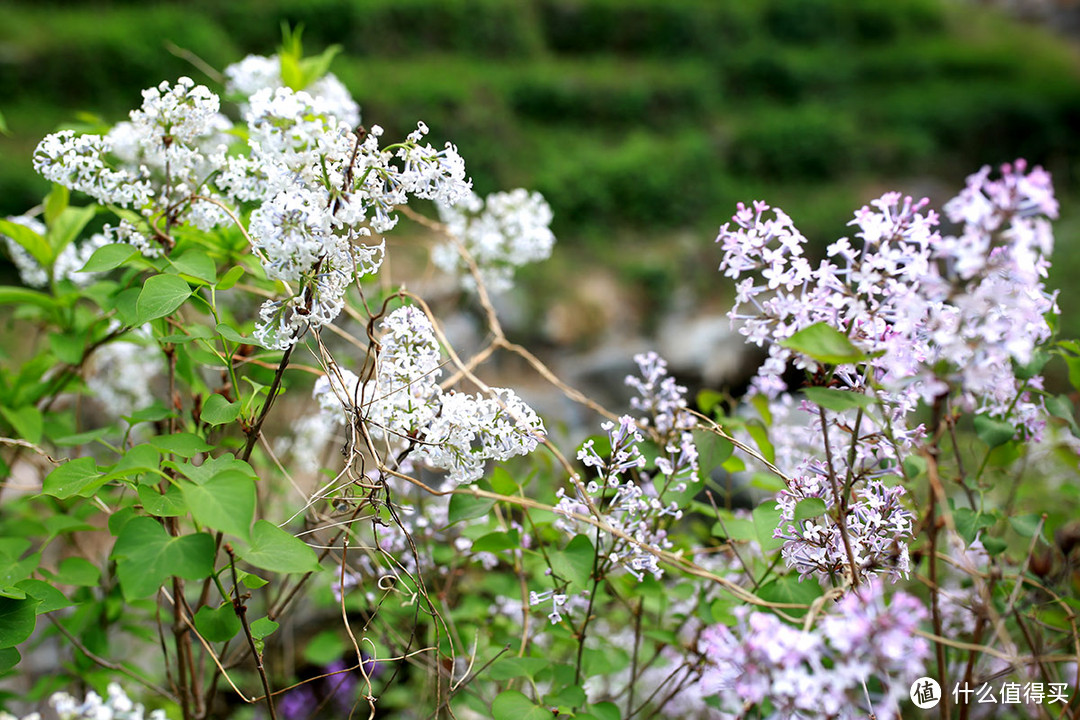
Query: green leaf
point(161, 295)
point(766, 518)
point(511, 667)
point(183, 444)
point(274, 549)
point(147, 556)
point(230, 278)
point(1038, 361)
point(324, 648)
point(199, 474)
point(109, 257)
point(315, 67)
point(29, 240)
point(263, 628)
point(24, 296)
point(229, 333)
point(993, 432)
point(154, 413)
point(788, 589)
point(825, 344)
point(708, 399)
point(17, 620)
point(466, 507)
point(126, 303)
point(713, 450)
point(144, 457)
point(217, 410)
point(569, 696)
point(512, 705)
point(605, 711)
point(734, 528)
point(76, 477)
point(82, 438)
point(250, 580)
point(994, 545)
point(575, 562)
point(596, 661)
point(78, 571)
point(13, 570)
point(57, 525)
point(48, 597)
point(68, 347)
point(808, 508)
point(761, 438)
point(837, 400)
point(969, 523)
point(496, 541)
point(503, 482)
point(9, 657)
point(27, 421)
point(217, 625)
point(1073, 364)
point(56, 202)
point(1025, 525)
point(1061, 406)
point(197, 264)
point(171, 504)
point(226, 502)
point(67, 226)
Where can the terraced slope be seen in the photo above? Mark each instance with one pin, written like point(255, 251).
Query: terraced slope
point(632, 116)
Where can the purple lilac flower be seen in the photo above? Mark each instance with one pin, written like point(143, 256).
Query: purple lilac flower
point(821, 673)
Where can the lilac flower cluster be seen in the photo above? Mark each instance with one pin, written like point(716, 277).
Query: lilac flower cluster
point(154, 163)
point(827, 672)
point(502, 232)
point(974, 302)
point(322, 189)
point(876, 523)
point(404, 406)
point(628, 498)
point(318, 187)
point(258, 72)
point(936, 316)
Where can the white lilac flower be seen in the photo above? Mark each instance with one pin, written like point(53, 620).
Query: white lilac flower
point(820, 673)
point(156, 163)
point(502, 232)
point(626, 503)
point(257, 72)
point(128, 233)
point(78, 162)
point(120, 374)
point(116, 706)
point(404, 406)
point(67, 264)
point(307, 441)
point(321, 190)
point(631, 499)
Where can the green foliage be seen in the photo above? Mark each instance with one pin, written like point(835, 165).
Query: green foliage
point(825, 344)
point(147, 556)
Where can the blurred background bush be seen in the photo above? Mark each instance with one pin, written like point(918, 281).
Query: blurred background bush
point(642, 121)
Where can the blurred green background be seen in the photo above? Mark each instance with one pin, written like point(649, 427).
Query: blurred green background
point(642, 121)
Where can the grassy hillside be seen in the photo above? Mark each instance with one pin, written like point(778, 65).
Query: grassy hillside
point(634, 117)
